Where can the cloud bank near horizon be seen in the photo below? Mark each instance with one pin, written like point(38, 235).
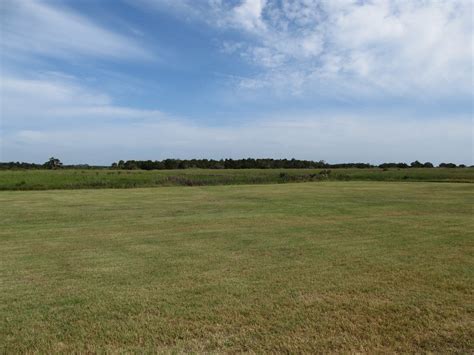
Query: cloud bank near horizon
point(90, 128)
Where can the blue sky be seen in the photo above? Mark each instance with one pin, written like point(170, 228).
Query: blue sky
point(340, 80)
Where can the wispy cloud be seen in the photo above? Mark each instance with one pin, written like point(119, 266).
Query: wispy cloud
point(58, 100)
point(35, 27)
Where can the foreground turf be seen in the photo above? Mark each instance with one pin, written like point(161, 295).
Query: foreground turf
point(328, 266)
point(108, 178)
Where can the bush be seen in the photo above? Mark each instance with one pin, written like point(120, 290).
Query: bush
point(447, 165)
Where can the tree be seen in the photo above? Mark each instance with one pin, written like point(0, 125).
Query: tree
point(53, 163)
point(416, 164)
point(428, 165)
point(447, 165)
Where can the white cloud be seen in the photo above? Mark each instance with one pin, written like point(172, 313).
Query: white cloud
point(333, 138)
point(386, 47)
point(57, 116)
point(35, 27)
point(249, 14)
point(399, 47)
point(231, 47)
point(404, 47)
point(53, 99)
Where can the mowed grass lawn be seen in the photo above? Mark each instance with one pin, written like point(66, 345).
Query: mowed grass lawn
point(309, 267)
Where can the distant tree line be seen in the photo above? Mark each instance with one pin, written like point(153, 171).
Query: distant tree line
point(250, 163)
point(220, 164)
point(52, 163)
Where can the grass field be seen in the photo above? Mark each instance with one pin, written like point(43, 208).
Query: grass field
point(107, 178)
point(310, 267)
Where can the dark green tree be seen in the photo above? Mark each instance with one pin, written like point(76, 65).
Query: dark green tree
point(416, 164)
point(447, 165)
point(53, 163)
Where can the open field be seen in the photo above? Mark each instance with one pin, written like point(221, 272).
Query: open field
point(107, 178)
point(327, 266)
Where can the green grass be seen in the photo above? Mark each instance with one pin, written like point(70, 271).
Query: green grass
point(106, 178)
point(310, 267)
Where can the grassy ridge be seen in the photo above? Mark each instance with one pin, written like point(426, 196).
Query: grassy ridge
point(77, 179)
point(321, 267)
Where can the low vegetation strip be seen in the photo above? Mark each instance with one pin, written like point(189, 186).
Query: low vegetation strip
point(369, 267)
point(109, 178)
